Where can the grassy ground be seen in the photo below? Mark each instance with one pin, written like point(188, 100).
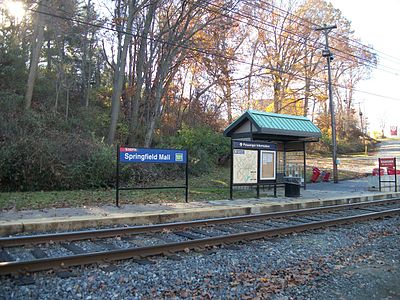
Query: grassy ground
point(213, 186)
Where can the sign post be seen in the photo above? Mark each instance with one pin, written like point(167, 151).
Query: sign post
point(390, 164)
point(147, 155)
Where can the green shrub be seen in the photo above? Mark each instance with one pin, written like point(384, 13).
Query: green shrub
point(98, 170)
point(44, 152)
point(204, 146)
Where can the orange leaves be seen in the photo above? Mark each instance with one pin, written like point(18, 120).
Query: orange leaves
point(119, 21)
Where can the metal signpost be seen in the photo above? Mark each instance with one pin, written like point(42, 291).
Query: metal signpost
point(252, 164)
point(390, 164)
point(146, 155)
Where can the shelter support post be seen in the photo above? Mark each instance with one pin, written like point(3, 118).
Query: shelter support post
point(187, 179)
point(231, 180)
point(379, 174)
point(284, 159)
point(395, 175)
point(117, 180)
point(305, 165)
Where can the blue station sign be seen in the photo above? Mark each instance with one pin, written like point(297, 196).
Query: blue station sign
point(144, 155)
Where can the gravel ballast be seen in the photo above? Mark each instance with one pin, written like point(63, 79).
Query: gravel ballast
point(359, 261)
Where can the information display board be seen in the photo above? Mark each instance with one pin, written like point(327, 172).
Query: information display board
point(267, 165)
point(244, 166)
point(253, 163)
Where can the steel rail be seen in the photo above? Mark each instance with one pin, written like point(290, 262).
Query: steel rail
point(141, 252)
point(131, 230)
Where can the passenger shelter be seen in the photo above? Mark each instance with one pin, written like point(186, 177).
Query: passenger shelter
point(289, 133)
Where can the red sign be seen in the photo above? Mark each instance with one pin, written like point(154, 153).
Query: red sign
point(393, 130)
point(389, 162)
point(123, 149)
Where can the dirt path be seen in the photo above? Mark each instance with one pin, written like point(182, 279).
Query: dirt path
point(360, 163)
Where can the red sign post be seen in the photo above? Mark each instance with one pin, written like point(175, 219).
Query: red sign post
point(390, 164)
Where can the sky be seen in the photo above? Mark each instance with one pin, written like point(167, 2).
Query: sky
point(377, 23)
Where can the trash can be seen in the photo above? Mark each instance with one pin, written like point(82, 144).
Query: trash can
point(376, 171)
point(326, 177)
point(292, 186)
point(315, 174)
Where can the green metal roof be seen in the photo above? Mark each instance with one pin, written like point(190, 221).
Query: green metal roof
point(276, 124)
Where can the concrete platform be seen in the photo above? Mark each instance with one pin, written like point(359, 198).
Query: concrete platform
point(319, 194)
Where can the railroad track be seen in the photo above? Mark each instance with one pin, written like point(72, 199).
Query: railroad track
point(24, 254)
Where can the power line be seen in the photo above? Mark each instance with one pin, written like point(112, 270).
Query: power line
point(390, 57)
point(333, 36)
point(314, 25)
point(201, 50)
point(362, 60)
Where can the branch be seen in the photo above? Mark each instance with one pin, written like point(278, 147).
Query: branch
point(105, 56)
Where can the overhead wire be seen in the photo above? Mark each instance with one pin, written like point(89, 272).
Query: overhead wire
point(200, 50)
point(362, 60)
point(335, 35)
point(255, 26)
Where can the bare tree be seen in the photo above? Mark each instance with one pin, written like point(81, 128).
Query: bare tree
point(141, 67)
point(125, 30)
point(36, 46)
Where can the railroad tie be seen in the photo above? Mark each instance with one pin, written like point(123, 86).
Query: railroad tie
point(73, 248)
point(5, 256)
point(38, 253)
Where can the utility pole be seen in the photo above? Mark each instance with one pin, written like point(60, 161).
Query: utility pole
point(329, 57)
point(362, 130)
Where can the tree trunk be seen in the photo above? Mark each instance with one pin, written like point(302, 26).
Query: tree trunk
point(86, 61)
point(249, 83)
point(140, 76)
point(67, 105)
point(119, 74)
point(58, 88)
point(228, 99)
point(48, 56)
point(87, 89)
point(159, 88)
point(157, 95)
point(35, 55)
point(277, 95)
point(313, 111)
point(306, 96)
point(131, 78)
point(61, 78)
